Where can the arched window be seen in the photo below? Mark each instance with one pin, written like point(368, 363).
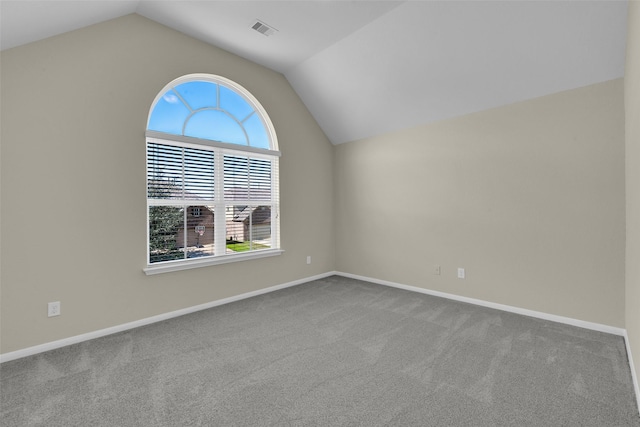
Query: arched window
point(212, 176)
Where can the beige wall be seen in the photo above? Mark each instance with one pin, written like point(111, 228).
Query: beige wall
point(74, 111)
point(528, 198)
point(632, 125)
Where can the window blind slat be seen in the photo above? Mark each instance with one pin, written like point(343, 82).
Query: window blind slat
point(164, 171)
point(199, 174)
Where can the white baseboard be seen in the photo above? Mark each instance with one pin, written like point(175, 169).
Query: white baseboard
point(633, 370)
point(29, 351)
point(531, 313)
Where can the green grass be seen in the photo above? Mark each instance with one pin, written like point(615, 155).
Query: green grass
point(244, 246)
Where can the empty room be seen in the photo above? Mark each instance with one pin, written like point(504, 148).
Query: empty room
point(319, 213)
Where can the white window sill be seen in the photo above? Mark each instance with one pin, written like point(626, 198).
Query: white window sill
point(167, 267)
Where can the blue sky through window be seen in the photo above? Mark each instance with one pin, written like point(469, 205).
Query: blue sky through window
point(234, 103)
point(198, 94)
point(207, 110)
point(169, 114)
point(256, 131)
point(215, 125)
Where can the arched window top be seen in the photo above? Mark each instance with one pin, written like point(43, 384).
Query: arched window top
point(213, 108)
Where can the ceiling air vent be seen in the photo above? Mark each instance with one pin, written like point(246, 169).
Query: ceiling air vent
point(263, 28)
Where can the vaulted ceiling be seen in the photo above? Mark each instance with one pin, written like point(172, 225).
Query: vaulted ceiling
point(365, 68)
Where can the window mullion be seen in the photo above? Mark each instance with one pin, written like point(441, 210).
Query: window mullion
point(185, 231)
point(183, 195)
point(251, 211)
point(148, 231)
point(275, 197)
point(274, 221)
point(219, 227)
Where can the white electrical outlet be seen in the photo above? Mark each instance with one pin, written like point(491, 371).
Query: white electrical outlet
point(308, 259)
point(53, 309)
point(460, 273)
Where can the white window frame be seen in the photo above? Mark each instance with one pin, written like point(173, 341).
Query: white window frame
point(220, 149)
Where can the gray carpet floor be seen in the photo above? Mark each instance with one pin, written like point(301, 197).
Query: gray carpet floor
point(333, 352)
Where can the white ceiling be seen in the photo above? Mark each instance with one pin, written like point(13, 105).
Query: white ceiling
point(369, 67)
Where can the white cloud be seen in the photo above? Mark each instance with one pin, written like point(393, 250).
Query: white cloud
point(170, 98)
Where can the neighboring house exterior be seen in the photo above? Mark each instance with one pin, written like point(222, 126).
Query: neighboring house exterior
point(197, 217)
point(249, 223)
point(244, 224)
